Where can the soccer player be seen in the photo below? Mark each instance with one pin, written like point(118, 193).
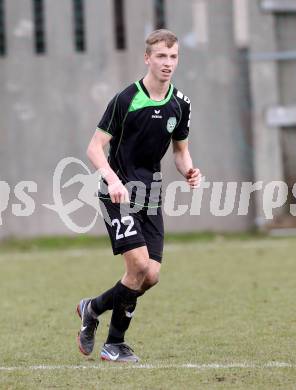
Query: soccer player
point(139, 123)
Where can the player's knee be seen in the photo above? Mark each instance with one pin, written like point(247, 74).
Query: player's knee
point(139, 269)
point(151, 279)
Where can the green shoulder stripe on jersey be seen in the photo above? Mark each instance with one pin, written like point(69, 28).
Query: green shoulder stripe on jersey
point(104, 131)
point(141, 100)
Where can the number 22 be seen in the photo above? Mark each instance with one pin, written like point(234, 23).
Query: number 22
point(127, 220)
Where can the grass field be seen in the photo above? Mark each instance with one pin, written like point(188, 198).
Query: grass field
point(223, 316)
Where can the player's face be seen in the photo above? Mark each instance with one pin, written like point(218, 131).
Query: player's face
point(162, 61)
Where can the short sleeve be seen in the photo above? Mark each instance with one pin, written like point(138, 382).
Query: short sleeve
point(181, 132)
point(111, 119)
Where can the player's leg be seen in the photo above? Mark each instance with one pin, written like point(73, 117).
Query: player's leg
point(132, 278)
point(104, 302)
point(124, 304)
point(126, 294)
point(125, 234)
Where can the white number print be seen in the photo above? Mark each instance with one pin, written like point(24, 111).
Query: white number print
point(117, 223)
point(127, 220)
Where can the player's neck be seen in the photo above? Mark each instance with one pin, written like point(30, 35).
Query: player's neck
point(157, 90)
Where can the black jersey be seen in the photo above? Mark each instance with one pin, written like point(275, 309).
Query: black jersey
point(141, 130)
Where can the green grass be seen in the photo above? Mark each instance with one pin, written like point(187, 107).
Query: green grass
point(220, 300)
point(85, 241)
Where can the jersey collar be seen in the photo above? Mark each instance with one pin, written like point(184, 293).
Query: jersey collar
point(141, 100)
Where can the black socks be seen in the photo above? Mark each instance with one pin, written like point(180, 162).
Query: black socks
point(103, 302)
point(123, 301)
point(124, 304)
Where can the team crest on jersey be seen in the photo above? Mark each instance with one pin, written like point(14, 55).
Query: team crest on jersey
point(172, 121)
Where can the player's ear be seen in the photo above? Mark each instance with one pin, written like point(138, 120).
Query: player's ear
point(146, 58)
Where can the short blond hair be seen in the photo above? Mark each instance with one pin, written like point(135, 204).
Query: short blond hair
point(161, 35)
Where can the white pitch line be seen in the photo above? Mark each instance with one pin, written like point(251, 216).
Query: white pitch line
point(106, 366)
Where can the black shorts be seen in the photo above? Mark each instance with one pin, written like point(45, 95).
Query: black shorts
point(129, 230)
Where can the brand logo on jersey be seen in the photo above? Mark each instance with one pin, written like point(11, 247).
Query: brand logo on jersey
point(156, 116)
point(171, 124)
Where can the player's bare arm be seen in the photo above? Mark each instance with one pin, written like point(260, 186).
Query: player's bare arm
point(184, 164)
point(95, 152)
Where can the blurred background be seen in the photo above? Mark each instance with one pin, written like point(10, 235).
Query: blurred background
point(61, 61)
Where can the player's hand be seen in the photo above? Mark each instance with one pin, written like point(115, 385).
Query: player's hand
point(193, 177)
point(118, 193)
